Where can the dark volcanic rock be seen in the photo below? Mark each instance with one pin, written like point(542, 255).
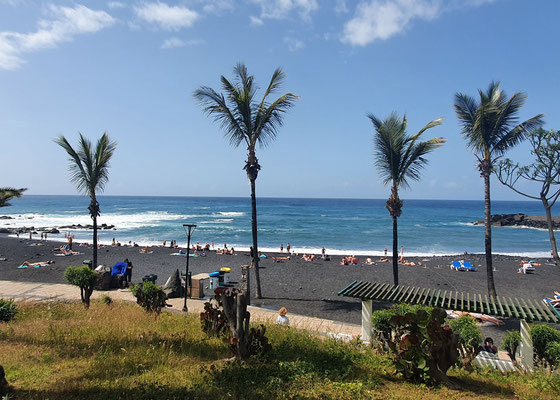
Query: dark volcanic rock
point(530, 221)
point(5, 217)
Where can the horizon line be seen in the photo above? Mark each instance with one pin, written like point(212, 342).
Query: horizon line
point(270, 197)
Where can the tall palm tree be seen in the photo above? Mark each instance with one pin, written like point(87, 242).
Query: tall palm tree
point(399, 157)
point(89, 170)
point(7, 194)
point(248, 121)
point(491, 127)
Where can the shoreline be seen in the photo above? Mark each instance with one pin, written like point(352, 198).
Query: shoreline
point(301, 250)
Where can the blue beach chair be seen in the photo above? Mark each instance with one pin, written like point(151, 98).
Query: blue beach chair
point(468, 266)
point(457, 266)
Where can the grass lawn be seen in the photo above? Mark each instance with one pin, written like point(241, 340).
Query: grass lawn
point(62, 351)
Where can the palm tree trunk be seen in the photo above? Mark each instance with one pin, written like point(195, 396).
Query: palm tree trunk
point(488, 237)
point(551, 231)
point(395, 252)
point(255, 260)
point(94, 263)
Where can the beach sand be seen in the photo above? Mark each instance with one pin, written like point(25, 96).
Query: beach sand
point(306, 288)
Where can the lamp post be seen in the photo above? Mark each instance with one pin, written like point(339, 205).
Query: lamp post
point(189, 229)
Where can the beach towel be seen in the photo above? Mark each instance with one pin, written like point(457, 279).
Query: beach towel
point(22, 266)
point(119, 268)
point(178, 254)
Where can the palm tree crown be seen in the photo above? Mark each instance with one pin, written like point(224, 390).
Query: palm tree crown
point(399, 156)
point(491, 126)
point(89, 167)
point(243, 119)
point(8, 193)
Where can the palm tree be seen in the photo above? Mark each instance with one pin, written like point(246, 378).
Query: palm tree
point(247, 121)
point(399, 157)
point(89, 170)
point(490, 128)
point(7, 194)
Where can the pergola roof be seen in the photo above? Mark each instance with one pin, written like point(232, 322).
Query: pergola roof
point(530, 310)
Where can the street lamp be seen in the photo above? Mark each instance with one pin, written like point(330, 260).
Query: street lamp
point(189, 229)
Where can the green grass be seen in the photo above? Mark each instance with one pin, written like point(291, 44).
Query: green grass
point(62, 351)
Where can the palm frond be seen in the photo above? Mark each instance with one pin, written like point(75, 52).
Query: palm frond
point(398, 156)
point(89, 168)
point(491, 125)
point(215, 105)
point(240, 116)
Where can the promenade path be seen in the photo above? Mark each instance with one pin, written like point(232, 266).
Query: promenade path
point(35, 291)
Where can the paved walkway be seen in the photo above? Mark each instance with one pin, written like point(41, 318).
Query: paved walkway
point(34, 291)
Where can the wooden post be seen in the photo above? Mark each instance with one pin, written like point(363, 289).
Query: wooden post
point(367, 328)
point(245, 281)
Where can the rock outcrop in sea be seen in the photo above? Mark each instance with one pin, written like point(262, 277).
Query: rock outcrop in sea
point(529, 221)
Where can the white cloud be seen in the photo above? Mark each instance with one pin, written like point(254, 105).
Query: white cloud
point(256, 21)
point(115, 4)
point(381, 19)
point(278, 9)
point(165, 16)
point(293, 43)
point(174, 42)
point(217, 6)
point(63, 25)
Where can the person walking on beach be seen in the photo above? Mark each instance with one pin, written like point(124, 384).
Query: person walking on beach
point(288, 248)
point(402, 254)
point(128, 274)
point(70, 242)
point(323, 253)
point(281, 248)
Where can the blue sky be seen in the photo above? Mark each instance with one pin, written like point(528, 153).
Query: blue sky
point(130, 68)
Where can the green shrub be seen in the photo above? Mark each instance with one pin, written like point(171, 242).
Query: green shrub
point(422, 346)
point(107, 300)
point(380, 319)
point(213, 319)
point(470, 337)
point(510, 342)
point(8, 310)
point(542, 335)
point(150, 296)
point(84, 278)
point(553, 353)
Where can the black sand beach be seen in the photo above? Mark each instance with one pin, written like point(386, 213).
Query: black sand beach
point(307, 288)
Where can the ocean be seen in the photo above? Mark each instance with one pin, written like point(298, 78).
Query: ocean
point(342, 226)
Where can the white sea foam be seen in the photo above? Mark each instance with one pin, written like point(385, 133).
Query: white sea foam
point(120, 221)
point(231, 213)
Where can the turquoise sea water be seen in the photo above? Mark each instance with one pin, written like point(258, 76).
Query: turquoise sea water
point(343, 226)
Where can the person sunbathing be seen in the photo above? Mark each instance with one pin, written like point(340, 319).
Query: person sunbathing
point(145, 250)
point(65, 252)
point(37, 264)
point(280, 259)
point(383, 259)
point(369, 261)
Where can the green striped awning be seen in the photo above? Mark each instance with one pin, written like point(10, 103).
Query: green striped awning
point(530, 310)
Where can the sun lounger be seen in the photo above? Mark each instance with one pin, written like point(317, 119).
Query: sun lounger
point(468, 266)
point(457, 266)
